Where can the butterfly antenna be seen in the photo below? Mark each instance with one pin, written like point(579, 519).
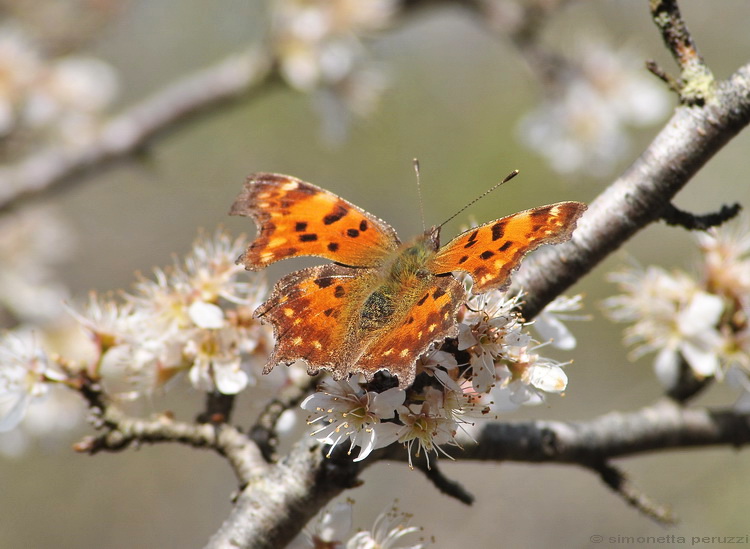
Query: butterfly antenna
point(508, 177)
point(419, 192)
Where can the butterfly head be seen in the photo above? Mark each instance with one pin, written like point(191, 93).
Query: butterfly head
point(432, 236)
point(424, 246)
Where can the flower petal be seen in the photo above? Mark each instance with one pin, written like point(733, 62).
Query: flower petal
point(206, 315)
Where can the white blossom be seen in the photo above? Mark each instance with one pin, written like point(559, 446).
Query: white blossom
point(427, 426)
point(332, 527)
point(387, 532)
point(581, 126)
point(24, 374)
point(32, 242)
point(318, 44)
point(671, 316)
point(549, 323)
point(348, 412)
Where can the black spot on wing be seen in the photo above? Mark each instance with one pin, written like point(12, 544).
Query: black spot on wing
point(335, 215)
point(324, 281)
point(497, 230)
point(308, 237)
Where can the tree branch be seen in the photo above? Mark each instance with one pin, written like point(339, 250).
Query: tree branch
point(621, 485)
point(263, 433)
point(135, 128)
point(274, 507)
point(122, 431)
point(694, 222)
point(447, 486)
point(218, 408)
point(690, 139)
point(663, 426)
point(696, 84)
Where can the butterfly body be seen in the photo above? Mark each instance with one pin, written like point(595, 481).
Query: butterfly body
point(402, 275)
point(381, 304)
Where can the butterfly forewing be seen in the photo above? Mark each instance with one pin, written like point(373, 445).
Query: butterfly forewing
point(296, 218)
point(490, 252)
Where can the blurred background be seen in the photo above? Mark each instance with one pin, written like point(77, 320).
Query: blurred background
point(437, 83)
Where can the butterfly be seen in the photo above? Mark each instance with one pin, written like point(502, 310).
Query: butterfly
point(380, 304)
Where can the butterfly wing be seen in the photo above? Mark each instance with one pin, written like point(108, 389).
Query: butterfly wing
point(309, 311)
point(490, 252)
point(427, 318)
point(295, 218)
point(316, 315)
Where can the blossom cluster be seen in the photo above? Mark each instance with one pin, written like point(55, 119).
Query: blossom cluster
point(49, 99)
point(498, 369)
point(194, 317)
point(333, 528)
point(581, 127)
point(320, 51)
point(703, 319)
point(32, 242)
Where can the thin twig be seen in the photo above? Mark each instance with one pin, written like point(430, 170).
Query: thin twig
point(263, 433)
point(654, 68)
point(621, 485)
point(121, 431)
point(697, 84)
point(447, 486)
point(694, 222)
point(136, 127)
point(218, 408)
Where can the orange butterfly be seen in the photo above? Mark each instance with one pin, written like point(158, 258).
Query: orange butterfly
point(381, 304)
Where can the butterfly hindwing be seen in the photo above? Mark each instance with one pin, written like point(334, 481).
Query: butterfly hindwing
point(429, 318)
point(296, 218)
point(309, 312)
point(490, 252)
